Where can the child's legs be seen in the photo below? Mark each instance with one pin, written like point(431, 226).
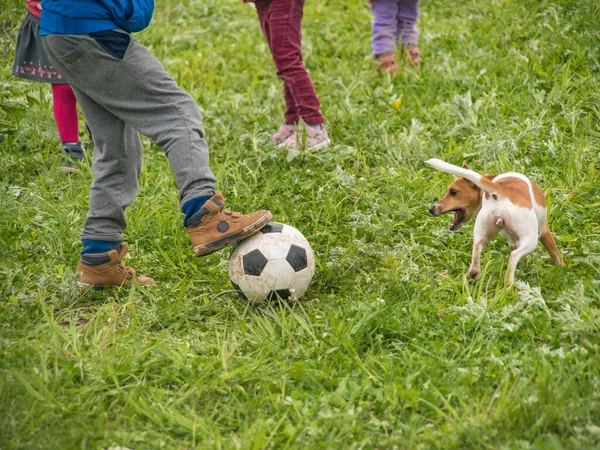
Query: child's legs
point(408, 14)
point(65, 112)
point(292, 115)
point(291, 112)
point(116, 168)
point(135, 87)
point(170, 117)
point(384, 26)
point(284, 20)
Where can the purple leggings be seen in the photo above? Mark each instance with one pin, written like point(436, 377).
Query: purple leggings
point(394, 20)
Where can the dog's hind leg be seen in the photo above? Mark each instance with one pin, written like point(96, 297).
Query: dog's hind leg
point(549, 244)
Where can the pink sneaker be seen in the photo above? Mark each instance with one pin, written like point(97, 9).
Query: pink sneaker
point(315, 140)
point(387, 63)
point(291, 142)
point(413, 55)
point(284, 132)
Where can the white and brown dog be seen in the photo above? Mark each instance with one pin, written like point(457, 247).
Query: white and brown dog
point(510, 204)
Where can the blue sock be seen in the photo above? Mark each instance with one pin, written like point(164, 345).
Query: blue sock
point(191, 207)
point(94, 246)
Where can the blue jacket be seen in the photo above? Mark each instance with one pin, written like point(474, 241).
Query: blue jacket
point(90, 16)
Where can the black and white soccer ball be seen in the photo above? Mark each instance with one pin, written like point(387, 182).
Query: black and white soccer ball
point(276, 262)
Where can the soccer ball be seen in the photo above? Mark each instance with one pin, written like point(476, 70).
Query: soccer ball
point(276, 262)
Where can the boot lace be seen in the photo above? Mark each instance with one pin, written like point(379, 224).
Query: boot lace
point(129, 272)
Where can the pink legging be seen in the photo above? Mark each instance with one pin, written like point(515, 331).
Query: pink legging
point(65, 113)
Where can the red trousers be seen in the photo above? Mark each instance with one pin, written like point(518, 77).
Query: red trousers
point(281, 24)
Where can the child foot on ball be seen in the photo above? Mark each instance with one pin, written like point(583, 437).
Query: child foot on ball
point(213, 227)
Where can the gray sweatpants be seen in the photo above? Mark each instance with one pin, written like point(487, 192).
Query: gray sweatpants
point(121, 95)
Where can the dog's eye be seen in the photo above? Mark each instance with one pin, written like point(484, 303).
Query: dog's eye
point(453, 192)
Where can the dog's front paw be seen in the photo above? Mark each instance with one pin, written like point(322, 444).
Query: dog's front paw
point(473, 274)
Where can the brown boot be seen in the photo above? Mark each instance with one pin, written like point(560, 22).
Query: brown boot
point(112, 273)
point(387, 63)
point(218, 228)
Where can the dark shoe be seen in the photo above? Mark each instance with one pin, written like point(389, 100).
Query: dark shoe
point(1, 139)
point(109, 274)
point(73, 155)
point(218, 228)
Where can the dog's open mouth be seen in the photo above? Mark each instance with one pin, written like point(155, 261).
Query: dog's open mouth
point(459, 217)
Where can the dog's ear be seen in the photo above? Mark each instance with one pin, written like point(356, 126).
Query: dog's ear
point(470, 184)
point(465, 165)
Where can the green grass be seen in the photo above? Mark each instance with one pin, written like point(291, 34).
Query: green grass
point(392, 347)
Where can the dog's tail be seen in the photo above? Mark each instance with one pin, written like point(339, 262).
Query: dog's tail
point(481, 182)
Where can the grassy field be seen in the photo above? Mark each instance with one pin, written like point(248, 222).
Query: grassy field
point(392, 348)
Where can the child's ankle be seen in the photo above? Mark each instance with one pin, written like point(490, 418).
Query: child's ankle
point(99, 246)
point(193, 212)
